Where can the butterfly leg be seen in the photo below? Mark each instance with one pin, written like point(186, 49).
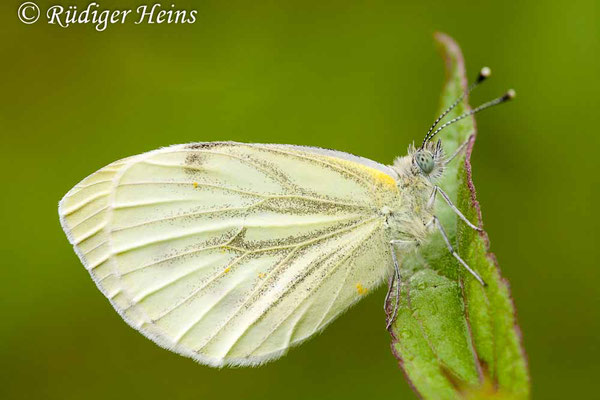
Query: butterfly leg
point(391, 317)
point(460, 149)
point(431, 200)
point(437, 223)
point(395, 279)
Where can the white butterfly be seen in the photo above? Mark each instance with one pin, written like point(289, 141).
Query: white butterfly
point(231, 253)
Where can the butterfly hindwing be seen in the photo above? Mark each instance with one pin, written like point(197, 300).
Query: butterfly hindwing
point(230, 253)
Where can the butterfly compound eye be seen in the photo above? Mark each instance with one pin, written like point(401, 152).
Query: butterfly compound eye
point(424, 161)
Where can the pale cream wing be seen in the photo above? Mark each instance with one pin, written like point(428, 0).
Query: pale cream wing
point(231, 253)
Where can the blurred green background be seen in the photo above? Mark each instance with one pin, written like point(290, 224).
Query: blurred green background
point(357, 76)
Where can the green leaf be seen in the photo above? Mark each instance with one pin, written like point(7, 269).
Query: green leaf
point(454, 338)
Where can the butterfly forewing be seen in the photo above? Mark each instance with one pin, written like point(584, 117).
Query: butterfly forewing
point(231, 253)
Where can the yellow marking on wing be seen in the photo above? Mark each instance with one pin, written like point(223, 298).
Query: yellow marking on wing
point(361, 289)
point(372, 173)
point(261, 275)
point(227, 270)
point(380, 177)
point(195, 185)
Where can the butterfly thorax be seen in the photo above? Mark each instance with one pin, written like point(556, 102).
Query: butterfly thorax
point(407, 221)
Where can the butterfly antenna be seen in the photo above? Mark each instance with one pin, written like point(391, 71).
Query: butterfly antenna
point(507, 96)
point(484, 73)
